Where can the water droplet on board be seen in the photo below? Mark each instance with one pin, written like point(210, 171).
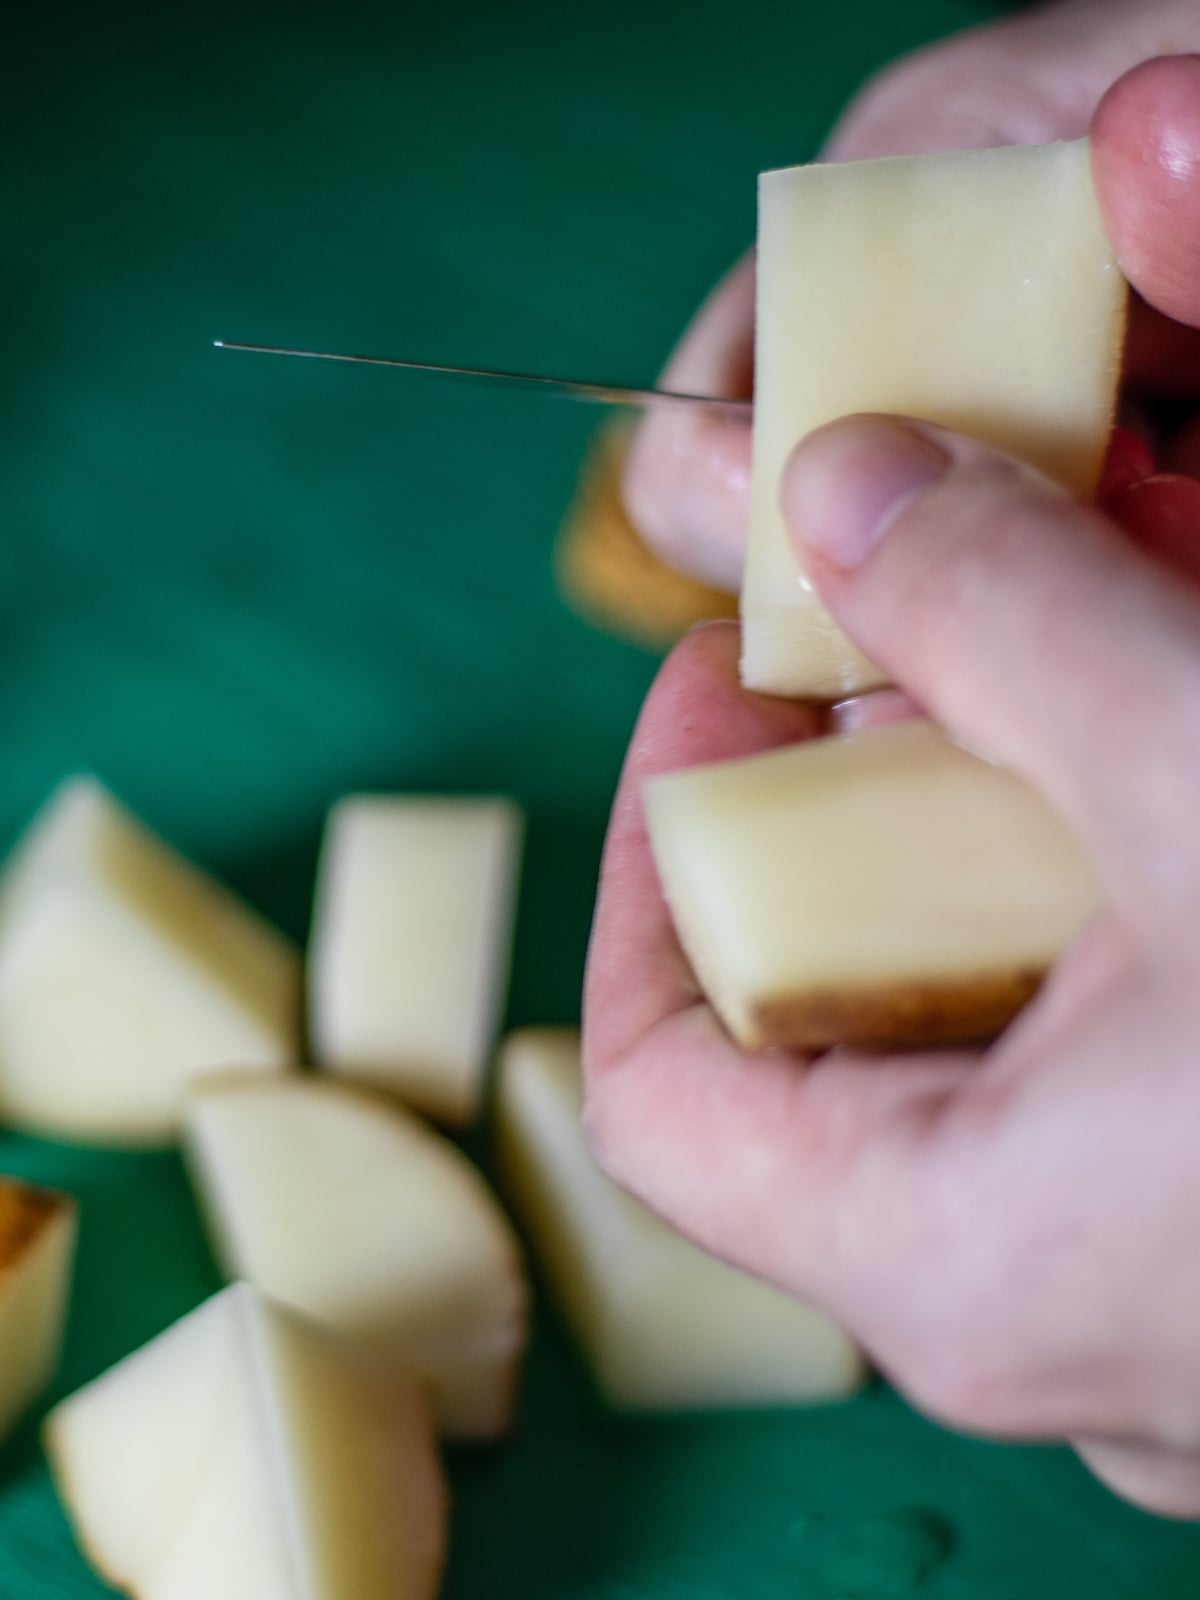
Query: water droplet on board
point(871, 1558)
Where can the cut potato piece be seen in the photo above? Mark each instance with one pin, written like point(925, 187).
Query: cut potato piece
point(881, 889)
point(247, 1454)
point(350, 1209)
point(123, 972)
point(663, 1325)
point(410, 947)
point(37, 1247)
point(608, 573)
point(976, 290)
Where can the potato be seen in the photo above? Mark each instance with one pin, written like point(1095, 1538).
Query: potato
point(124, 971)
point(37, 1248)
point(663, 1325)
point(410, 946)
point(247, 1454)
point(351, 1210)
point(976, 290)
point(882, 889)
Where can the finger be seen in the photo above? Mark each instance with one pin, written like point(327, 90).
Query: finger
point(756, 1159)
point(1026, 624)
point(1157, 1480)
point(1129, 460)
point(687, 482)
point(695, 712)
point(1146, 162)
point(1162, 516)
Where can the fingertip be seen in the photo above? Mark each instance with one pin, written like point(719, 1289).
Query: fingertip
point(1161, 514)
point(1145, 142)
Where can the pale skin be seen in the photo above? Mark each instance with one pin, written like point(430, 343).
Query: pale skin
point(1015, 1234)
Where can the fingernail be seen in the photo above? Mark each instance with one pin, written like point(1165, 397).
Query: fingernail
point(845, 485)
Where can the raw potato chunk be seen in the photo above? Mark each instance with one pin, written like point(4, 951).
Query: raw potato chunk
point(37, 1247)
point(124, 971)
point(248, 1454)
point(881, 889)
point(976, 290)
point(351, 1210)
point(608, 573)
point(664, 1326)
point(410, 947)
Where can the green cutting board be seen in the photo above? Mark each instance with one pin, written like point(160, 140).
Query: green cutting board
point(238, 587)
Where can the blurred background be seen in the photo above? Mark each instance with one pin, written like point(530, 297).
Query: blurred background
point(237, 587)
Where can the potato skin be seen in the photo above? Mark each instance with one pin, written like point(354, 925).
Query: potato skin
point(904, 1014)
point(25, 1211)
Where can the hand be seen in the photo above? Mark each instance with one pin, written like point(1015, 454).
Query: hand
point(1023, 81)
point(1013, 1235)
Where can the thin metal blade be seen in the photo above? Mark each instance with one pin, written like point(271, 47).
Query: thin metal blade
point(611, 394)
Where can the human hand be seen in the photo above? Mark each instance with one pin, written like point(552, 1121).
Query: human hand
point(1013, 1235)
point(1026, 80)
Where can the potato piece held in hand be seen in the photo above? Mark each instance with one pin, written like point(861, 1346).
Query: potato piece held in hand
point(663, 1325)
point(247, 1454)
point(124, 971)
point(412, 931)
point(882, 889)
point(609, 574)
point(974, 289)
point(37, 1249)
point(350, 1209)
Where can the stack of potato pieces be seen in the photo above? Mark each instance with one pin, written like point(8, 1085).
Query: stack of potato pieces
point(891, 889)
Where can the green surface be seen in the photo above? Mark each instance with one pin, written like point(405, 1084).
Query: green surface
point(238, 588)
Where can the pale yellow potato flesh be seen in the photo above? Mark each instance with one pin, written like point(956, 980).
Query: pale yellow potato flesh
point(974, 289)
point(882, 889)
point(663, 1325)
point(347, 1207)
point(412, 933)
point(37, 1249)
point(124, 971)
point(248, 1454)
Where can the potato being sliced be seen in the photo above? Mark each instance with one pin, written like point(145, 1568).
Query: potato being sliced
point(124, 971)
point(412, 929)
point(347, 1207)
point(882, 889)
point(663, 1325)
point(974, 289)
point(248, 1454)
point(37, 1248)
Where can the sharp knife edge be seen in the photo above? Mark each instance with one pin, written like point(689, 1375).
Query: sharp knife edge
point(613, 394)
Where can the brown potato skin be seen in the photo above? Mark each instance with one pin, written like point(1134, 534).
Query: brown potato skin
point(906, 1014)
point(25, 1211)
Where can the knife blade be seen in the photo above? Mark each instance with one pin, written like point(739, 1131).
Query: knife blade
point(612, 394)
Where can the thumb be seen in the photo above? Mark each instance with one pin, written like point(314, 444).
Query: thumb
point(1023, 621)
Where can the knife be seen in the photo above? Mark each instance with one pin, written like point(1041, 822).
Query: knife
point(611, 394)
